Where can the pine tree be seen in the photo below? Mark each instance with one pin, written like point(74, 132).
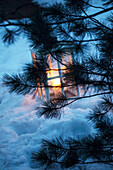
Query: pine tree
point(53, 29)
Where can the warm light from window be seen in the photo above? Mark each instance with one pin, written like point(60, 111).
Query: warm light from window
point(55, 81)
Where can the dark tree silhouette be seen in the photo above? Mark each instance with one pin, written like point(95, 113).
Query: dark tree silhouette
point(70, 27)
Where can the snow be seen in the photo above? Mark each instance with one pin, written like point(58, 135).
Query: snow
point(22, 131)
point(20, 128)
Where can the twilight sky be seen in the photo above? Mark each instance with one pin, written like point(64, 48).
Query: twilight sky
point(13, 57)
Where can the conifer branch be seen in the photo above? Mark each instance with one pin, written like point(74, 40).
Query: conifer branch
point(83, 17)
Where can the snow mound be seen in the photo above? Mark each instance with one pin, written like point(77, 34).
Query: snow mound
point(22, 131)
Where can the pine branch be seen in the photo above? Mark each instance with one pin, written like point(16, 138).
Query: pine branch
point(93, 6)
point(71, 20)
point(71, 151)
point(108, 2)
point(95, 20)
point(52, 109)
point(75, 40)
point(10, 36)
point(82, 18)
point(18, 84)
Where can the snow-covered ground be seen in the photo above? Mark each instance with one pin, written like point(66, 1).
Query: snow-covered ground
point(21, 130)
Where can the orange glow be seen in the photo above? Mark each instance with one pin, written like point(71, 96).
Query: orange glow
point(55, 81)
point(53, 73)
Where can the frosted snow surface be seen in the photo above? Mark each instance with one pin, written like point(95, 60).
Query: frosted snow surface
point(21, 131)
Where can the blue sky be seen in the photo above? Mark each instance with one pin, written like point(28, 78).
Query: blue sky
point(13, 57)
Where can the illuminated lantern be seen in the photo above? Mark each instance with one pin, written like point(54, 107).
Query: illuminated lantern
point(55, 78)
